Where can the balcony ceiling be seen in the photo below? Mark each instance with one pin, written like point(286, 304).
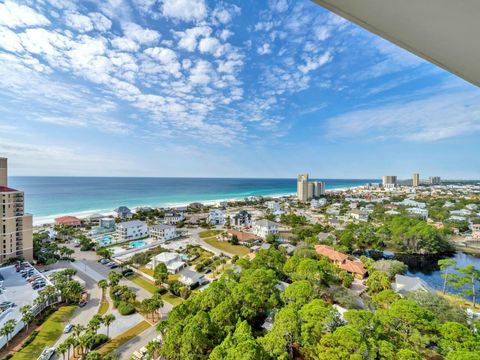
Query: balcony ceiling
point(444, 32)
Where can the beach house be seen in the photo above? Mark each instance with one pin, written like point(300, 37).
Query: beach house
point(216, 217)
point(71, 221)
point(242, 218)
point(172, 261)
point(131, 230)
point(341, 260)
point(162, 232)
point(123, 212)
point(174, 217)
point(264, 227)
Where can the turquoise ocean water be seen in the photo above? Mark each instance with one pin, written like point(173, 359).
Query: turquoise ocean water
point(50, 196)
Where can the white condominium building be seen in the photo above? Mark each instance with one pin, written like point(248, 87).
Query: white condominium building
point(132, 230)
point(162, 232)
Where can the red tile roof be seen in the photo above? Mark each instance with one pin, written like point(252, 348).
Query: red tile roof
point(243, 236)
point(6, 189)
point(355, 267)
point(331, 253)
point(66, 220)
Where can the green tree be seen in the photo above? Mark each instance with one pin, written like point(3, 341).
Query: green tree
point(108, 320)
point(114, 278)
point(62, 349)
point(377, 281)
point(445, 266)
point(95, 322)
point(8, 328)
point(27, 315)
point(300, 292)
point(469, 278)
point(160, 274)
point(385, 298)
point(103, 284)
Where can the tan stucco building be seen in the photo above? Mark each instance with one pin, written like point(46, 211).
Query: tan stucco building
point(15, 226)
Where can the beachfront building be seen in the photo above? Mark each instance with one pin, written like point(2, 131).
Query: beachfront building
point(123, 212)
point(132, 230)
point(174, 217)
point(389, 181)
point(355, 267)
point(71, 221)
point(172, 261)
point(162, 232)
point(93, 219)
point(16, 230)
point(216, 217)
point(309, 190)
point(263, 228)
point(107, 223)
point(242, 218)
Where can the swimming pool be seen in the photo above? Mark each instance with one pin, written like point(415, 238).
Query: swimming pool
point(134, 244)
point(105, 240)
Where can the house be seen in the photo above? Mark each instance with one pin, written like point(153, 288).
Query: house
point(68, 221)
point(457, 218)
point(107, 223)
point(404, 284)
point(264, 227)
point(123, 212)
point(216, 217)
point(412, 203)
point(131, 230)
point(358, 215)
point(324, 236)
point(172, 261)
point(392, 212)
point(472, 207)
point(243, 237)
point(242, 218)
point(448, 204)
point(191, 278)
point(162, 232)
point(462, 212)
point(264, 246)
point(341, 260)
point(317, 203)
point(173, 217)
point(418, 211)
point(333, 211)
point(197, 219)
point(93, 219)
point(336, 224)
point(272, 206)
point(289, 248)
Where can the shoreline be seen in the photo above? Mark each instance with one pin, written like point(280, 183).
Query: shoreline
point(41, 221)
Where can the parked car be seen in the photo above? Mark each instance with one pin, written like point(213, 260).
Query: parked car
point(127, 272)
point(67, 328)
point(113, 266)
point(47, 354)
point(104, 261)
point(83, 299)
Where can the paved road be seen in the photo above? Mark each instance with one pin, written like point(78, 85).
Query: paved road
point(194, 234)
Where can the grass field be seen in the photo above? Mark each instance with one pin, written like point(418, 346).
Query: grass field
point(172, 299)
point(227, 247)
point(102, 310)
point(146, 270)
point(50, 331)
point(209, 233)
point(143, 283)
point(123, 338)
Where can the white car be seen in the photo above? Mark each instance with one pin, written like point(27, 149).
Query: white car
point(68, 328)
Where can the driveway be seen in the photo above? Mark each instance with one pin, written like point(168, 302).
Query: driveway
point(194, 233)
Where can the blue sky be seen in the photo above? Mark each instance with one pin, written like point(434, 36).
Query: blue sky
point(222, 88)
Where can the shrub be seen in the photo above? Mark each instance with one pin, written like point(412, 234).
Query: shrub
point(6, 357)
point(125, 308)
point(30, 338)
point(161, 290)
point(100, 339)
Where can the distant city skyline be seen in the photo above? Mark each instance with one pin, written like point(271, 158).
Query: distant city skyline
point(197, 88)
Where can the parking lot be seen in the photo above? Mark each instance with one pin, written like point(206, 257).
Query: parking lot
point(18, 291)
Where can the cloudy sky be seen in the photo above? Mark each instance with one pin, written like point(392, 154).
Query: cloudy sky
point(228, 88)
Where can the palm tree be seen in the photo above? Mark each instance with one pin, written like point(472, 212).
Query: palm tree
point(95, 323)
point(62, 349)
point(107, 320)
point(152, 348)
point(157, 304)
point(27, 315)
point(70, 341)
point(93, 355)
point(114, 278)
point(7, 329)
point(84, 341)
point(77, 330)
point(103, 284)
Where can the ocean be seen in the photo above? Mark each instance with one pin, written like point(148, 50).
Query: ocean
point(48, 197)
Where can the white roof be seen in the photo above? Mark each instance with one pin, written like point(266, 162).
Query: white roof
point(166, 257)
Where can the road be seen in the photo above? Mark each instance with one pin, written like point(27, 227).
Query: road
point(194, 234)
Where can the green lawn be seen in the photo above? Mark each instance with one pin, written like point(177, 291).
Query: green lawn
point(172, 299)
point(209, 233)
point(227, 247)
point(143, 283)
point(124, 337)
point(50, 331)
point(146, 270)
point(150, 287)
point(102, 310)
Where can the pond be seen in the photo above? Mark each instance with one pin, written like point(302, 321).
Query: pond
point(426, 266)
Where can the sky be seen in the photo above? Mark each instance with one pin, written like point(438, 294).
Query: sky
point(205, 88)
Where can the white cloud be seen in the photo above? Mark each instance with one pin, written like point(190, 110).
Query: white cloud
point(201, 73)
point(9, 40)
point(225, 13)
point(188, 38)
point(210, 45)
point(15, 15)
point(101, 22)
point(264, 49)
point(79, 22)
point(314, 63)
point(322, 32)
point(187, 10)
point(433, 118)
point(141, 35)
point(125, 44)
